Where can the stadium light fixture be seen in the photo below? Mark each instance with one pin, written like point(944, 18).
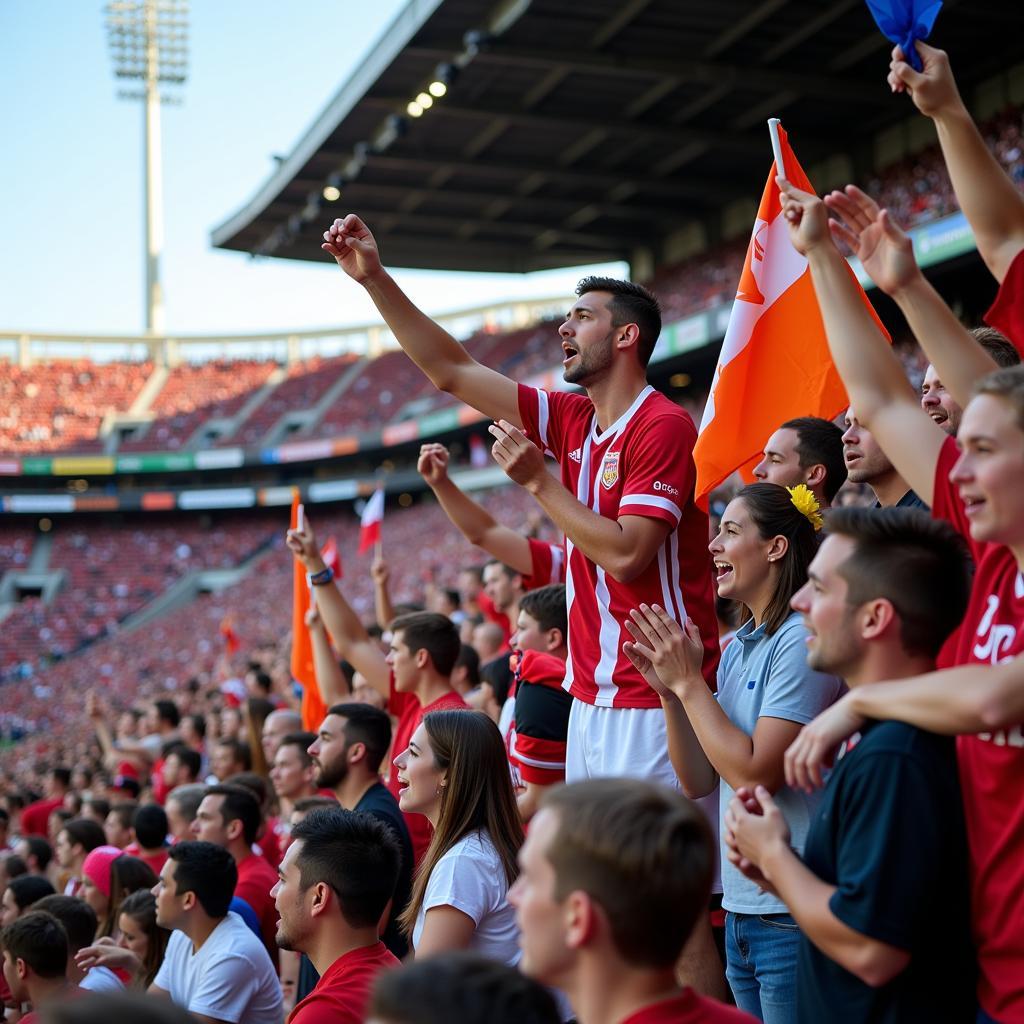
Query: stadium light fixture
point(437, 89)
point(331, 193)
point(413, 109)
point(425, 100)
point(149, 43)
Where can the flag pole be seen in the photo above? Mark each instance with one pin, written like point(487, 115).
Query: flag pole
point(773, 130)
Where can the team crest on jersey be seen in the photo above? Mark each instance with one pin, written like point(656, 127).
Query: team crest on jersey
point(610, 470)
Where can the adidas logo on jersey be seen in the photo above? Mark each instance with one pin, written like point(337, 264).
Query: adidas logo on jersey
point(575, 455)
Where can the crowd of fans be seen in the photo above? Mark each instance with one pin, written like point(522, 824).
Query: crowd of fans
point(59, 405)
point(526, 790)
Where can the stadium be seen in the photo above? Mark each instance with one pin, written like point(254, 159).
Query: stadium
point(146, 480)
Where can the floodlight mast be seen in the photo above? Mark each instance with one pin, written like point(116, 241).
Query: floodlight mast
point(149, 42)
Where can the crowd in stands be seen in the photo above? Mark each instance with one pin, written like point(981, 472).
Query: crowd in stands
point(640, 764)
point(58, 406)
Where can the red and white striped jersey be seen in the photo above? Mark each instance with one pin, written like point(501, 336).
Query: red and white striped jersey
point(642, 465)
point(547, 565)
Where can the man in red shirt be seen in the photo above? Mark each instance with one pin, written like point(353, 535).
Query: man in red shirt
point(36, 817)
point(334, 888)
point(230, 817)
point(149, 836)
point(975, 482)
point(35, 951)
point(610, 936)
point(414, 677)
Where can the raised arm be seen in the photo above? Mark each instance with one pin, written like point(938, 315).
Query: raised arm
point(887, 254)
point(382, 606)
point(330, 680)
point(447, 363)
point(874, 378)
point(472, 520)
point(352, 641)
point(993, 206)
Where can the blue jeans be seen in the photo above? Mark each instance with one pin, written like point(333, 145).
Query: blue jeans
point(761, 954)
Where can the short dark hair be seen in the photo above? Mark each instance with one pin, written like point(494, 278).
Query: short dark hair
point(150, 824)
point(917, 563)
point(63, 776)
point(312, 803)
point(367, 725)
point(124, 811)
point(470, 661)
point(27, 889)
point(356, 854)
point(240, 804)
point(40, 940)
point(99, 804)
point(239, 749)
point(103, 1007)
point(199, 724)
point(997, 345)
point(78, 918)
point(13, 865)
point(85, 832)
point(189, 758)
point(547, 606)
point(460, 986)
point(643, 852)
point(301, 740)
point(41, 849)
point(263, 680)
point(207, 870)
point(820, 442)
point(631, 303)
point(167, 711)
point(431, 632)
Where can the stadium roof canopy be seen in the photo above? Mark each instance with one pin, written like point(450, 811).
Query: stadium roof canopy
point(573, 133)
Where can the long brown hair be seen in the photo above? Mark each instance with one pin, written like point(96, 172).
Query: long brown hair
point(127, 875)
point(478, 795)
point(140, 906)
point(773, 513)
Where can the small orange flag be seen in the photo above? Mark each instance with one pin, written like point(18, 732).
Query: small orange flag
point(774, 364)
point(313, 708)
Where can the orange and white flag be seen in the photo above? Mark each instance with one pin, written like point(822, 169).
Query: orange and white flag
point(775, 363)
point(313, 707)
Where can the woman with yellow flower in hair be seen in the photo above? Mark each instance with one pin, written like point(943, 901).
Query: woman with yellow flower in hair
point(737, 738)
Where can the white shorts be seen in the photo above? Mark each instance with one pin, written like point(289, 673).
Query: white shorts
point(627, 743)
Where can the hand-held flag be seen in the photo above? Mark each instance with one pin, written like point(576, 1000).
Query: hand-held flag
point(370, 522)
point(774, 364)
point(313, 707)
point(904, 22)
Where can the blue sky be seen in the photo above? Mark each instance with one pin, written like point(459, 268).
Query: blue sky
point(71, 205)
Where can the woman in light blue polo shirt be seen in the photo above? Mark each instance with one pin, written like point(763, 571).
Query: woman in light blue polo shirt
point(766, 693)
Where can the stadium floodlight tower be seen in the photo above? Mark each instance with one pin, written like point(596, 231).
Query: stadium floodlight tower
point(149, 43)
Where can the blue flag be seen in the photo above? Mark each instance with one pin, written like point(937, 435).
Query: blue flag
point(904, 22)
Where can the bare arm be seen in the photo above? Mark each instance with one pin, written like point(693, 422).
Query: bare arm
point(622, 547)
point(447, 363)
point(759, 846)
point(888, 256)
point(471, 519)
point(354, 644)
point(330, 680)
point(993, 206)
point(382, 606)
point(878, 388)
point(444, 929)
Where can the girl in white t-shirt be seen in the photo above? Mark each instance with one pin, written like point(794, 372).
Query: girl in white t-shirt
point(455, 773)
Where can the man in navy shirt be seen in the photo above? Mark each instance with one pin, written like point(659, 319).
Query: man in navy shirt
point(881, 894)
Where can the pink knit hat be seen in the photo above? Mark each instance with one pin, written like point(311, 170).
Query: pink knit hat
point(96, 866)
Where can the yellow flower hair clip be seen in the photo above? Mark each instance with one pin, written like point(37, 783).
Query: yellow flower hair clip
point(805, 502)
